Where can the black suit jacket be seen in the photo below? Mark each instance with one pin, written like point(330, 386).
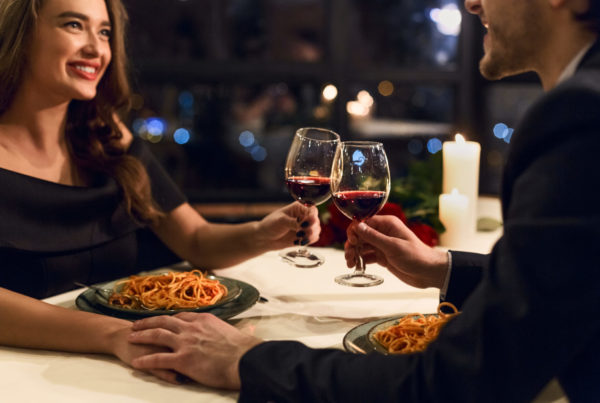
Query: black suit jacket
point(530, 310)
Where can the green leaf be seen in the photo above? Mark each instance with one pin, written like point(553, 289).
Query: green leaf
point(418, 192)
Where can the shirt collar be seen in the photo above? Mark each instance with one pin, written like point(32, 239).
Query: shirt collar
point(573, 64)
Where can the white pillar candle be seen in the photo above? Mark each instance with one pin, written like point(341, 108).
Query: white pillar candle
point(461, 172)
point(454, 214)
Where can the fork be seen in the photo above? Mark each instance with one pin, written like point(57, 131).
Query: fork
point(103, 292)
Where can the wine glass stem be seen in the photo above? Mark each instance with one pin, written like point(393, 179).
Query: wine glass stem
point(303, 251)
point(360, 263)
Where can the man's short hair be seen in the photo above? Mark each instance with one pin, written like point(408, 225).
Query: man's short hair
point(592, 16)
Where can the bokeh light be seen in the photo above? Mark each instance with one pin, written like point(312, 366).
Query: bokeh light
point(415, 146)
point(186, 99)
point(355, 108)
point(330, 92)
point(246, 138)
point(385, 88)
point(434, 145)
point(156, 126)
point(258, 153)
point(502, 131)
point(365, 98)
point(181, 136)
point(447, 19)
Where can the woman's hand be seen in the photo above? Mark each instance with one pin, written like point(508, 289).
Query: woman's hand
point(199, 345)
point(127, 352)
point(289, 225)
point(388, 242)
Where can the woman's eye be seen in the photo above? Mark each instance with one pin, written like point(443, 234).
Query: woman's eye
point(73, 24)
point(107, 33)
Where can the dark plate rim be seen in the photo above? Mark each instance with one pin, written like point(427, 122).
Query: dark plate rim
point(248, 297)
point(358, 340)
point(233, 292)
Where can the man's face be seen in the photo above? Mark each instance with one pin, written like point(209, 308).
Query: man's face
point(514, 35)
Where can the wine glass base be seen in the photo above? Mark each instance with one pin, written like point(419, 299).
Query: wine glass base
point(306, 260)
point(359, 280)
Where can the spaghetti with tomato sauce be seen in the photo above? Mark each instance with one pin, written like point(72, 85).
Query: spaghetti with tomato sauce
point(413, 333)
point(173, 290)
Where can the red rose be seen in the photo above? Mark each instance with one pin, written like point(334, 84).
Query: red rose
point(337, 219)
point(334, 231)
point(393, 209)
point(424, 232)
point(327, 236)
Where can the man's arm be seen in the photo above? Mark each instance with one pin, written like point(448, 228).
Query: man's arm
point(464, 275)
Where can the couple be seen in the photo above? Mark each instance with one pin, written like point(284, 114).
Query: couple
point(530, 310)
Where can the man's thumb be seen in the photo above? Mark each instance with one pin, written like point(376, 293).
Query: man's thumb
point(370, 235)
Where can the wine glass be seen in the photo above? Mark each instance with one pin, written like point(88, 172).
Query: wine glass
point(360, 185)
point(308, 177)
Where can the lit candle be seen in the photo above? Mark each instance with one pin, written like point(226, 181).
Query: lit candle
point(461, 172)
point(454, 214)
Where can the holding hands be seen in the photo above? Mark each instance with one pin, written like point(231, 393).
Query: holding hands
point(386, 240)
point(128, 352)
point(208, 350)
point(198, 345)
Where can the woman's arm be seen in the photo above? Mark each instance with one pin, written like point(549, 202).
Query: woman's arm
point(212, 245)
point(31, 323)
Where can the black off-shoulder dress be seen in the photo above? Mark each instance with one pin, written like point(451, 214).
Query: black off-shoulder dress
point(53, 234)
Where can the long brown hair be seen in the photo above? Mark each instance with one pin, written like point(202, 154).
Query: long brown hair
point(92, 131)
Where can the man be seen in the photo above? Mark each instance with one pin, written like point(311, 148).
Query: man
point(530, 310)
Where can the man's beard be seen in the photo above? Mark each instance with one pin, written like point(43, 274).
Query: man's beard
point(510, 52)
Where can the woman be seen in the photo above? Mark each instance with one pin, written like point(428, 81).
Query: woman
point(79, 191)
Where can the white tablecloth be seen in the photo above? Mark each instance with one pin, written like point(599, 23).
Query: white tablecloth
point(303, 304)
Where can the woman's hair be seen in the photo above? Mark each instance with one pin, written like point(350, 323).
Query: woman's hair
point(92, 130)
point(17, 19)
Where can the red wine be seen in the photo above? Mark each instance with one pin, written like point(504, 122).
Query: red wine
point(310, 190)
point(359, 204)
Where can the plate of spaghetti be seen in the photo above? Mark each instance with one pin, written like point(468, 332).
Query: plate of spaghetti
point(166, 294)
point(404, 334)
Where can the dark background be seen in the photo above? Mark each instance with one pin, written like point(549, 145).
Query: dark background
point(221, 86)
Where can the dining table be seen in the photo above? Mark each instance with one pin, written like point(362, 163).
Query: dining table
point(302, 304)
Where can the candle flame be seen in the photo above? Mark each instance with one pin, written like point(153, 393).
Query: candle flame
point(459, 138)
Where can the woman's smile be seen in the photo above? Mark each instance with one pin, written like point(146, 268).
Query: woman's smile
point(86, 70)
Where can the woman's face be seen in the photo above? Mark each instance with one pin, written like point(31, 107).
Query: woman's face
point(70, 49)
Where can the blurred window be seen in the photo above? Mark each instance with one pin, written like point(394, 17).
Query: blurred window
point(221, 85)
point(411, 120)
point(409, 34)
point(219, 139)
point(251, 30)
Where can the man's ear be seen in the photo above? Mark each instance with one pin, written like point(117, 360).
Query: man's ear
point(576, 6)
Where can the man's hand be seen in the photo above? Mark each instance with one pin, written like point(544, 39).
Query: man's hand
point(388, 242)
point(200, 346)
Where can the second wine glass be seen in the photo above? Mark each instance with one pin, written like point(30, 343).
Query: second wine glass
point(308, 176)
point(360, 185)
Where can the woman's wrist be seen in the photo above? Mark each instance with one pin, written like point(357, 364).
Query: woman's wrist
point(115, 335)
point(259, 243)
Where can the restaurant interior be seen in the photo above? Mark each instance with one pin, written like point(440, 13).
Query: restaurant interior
point(222, 85)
